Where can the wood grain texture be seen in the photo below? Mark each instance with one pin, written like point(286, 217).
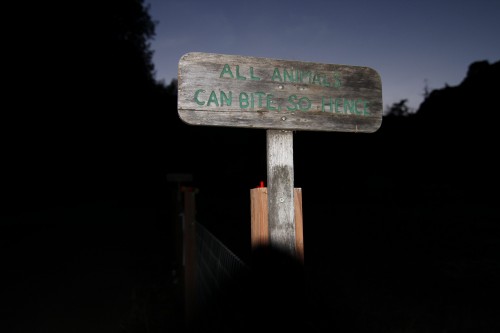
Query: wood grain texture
point(299, 224)
point(260, 225)
point(259, 217)
point(280, 179)
point(338, 98)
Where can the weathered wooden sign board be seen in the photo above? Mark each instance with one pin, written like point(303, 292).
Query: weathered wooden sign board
point(251, 92)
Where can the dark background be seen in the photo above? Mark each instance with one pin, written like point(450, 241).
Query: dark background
point(400, 226)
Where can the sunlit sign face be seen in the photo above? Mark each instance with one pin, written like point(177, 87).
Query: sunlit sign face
point(251, 92)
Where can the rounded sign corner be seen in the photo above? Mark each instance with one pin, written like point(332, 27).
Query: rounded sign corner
point(182, 117)
point(377, 125)
point(186, 56)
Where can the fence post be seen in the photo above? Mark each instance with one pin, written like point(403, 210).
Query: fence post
point(189, 241)
point(299, 227)
point(259, 217)
point(260, 224)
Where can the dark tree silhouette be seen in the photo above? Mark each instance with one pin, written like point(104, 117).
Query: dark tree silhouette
point(399, 109)
point(83, 150)
point(86, 119)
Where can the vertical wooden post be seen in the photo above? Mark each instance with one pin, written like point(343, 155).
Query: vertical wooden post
point(260, 225)
point(259, 217)
point(280, 190)
point(299, 226)
point(179, 182)
point(189, 258)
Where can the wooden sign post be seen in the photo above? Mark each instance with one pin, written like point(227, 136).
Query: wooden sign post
point(280, 96)
point(280, 179)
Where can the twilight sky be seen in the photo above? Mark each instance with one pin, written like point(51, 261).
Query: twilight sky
point(411, 44)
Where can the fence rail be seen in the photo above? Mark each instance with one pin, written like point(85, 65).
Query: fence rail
point(211, 273)
point(216, 264)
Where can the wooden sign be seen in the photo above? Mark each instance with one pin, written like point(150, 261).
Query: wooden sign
point(251, 92)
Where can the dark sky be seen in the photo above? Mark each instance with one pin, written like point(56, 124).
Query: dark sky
point(410, 43)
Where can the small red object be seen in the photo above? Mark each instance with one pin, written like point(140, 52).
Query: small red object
point(261, 183)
